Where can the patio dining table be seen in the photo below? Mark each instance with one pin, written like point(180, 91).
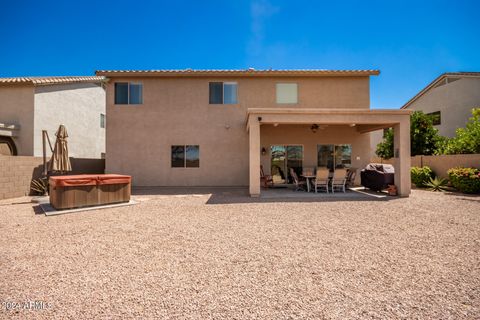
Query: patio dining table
point(308, 177)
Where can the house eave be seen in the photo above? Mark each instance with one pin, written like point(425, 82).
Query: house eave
point(236, 73)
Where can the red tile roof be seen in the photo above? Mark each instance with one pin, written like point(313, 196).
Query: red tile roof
point(51, 80)
point(237, 72)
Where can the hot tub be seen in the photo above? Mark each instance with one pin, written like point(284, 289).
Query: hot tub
point(76, 191)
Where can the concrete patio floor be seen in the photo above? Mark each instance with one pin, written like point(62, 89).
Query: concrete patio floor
point(219, 254)
point(224, 195)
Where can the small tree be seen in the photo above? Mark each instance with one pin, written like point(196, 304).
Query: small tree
point(466, 140)
point(424, 137)
point(385, 148)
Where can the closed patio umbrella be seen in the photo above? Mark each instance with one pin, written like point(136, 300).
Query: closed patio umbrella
point(60, 161)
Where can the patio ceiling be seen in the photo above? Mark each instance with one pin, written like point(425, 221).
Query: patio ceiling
point(365, 120)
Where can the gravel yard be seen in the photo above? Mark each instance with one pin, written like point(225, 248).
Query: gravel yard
point(229, 257)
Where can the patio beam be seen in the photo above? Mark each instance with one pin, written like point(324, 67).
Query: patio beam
point(365, 128)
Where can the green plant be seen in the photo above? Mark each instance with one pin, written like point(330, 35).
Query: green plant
point(424, 138)
point(39, 186)
point(421, 175)
point(437, 184)
point(466, 140)
point(385, 148)
point(466, 180)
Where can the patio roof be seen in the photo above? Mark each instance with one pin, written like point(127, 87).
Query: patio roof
point(365, 120)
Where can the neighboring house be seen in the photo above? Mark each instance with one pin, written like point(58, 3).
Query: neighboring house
point(216, 127)
point(448, 99)
point(31, 104)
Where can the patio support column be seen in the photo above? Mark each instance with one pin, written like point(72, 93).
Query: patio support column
point(401, 150)
point(254, 136)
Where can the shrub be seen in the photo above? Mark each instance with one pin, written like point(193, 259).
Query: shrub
point(466, 180)
point(420, 176)
point(467, 140)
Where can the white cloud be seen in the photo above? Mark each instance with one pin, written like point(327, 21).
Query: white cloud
point(260, 11)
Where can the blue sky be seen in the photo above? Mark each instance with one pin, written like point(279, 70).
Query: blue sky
point(411, 42)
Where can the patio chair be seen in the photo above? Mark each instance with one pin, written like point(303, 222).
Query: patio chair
point(322, 179)
point(339, 179)
point(265, 180)
point(300, 185)
point(351, 175)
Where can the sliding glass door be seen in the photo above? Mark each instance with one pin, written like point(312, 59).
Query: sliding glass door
point(334, 156)
point(284, 158)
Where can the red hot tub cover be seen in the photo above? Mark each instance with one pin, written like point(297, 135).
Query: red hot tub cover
point(88, 180)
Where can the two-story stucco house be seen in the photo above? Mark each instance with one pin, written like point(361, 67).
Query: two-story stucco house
point(217, 127)
point(449, 100)
point(29, 105)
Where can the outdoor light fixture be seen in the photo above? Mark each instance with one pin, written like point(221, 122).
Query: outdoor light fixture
point(352, 125)
point(314, 128)
point(264, 151)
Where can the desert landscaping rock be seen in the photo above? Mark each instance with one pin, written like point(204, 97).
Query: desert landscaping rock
point(188, 257)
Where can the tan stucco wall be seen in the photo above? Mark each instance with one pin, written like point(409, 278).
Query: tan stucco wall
point(77, 106)
point(454, 100)
point(176, 111)
point(441, 164)
point(16, 172)
point(302, 135)
point(16, 107)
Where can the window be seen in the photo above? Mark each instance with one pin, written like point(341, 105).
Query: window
point(287, 93)
point(128, 93)
point(343, 156)
point(223, 93)
point(334, 156)
point(186, 156)
point(102, 120)
point(436, 117)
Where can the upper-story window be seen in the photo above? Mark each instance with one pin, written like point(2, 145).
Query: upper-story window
point(128, 93)
point(436, 117)
point(287, 93)
point(223, 92)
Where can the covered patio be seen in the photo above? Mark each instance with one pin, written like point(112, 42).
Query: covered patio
point(287, 126)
